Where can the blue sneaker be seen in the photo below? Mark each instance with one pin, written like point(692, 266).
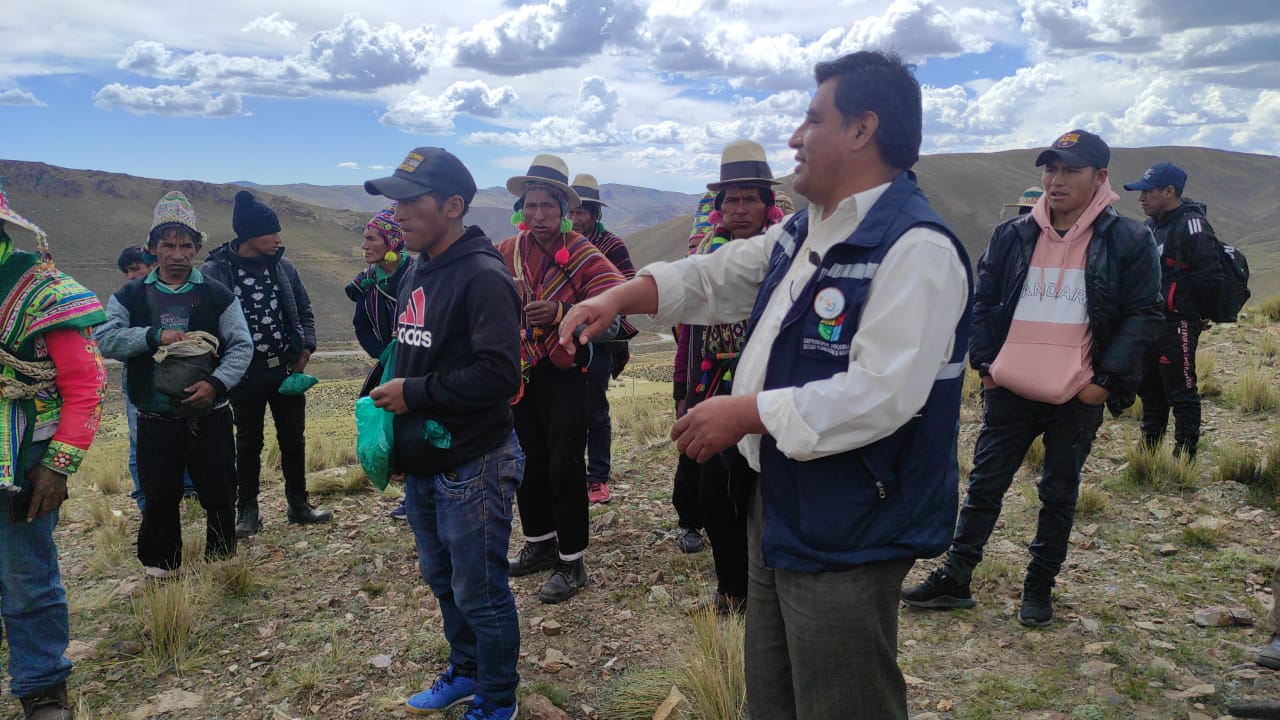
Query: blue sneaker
point(479, 710)
point(399, 513)
point(448, 690)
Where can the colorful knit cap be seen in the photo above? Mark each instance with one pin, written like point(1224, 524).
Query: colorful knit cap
point(385, 223)
point(174, 209)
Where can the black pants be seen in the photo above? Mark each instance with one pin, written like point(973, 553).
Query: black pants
point(725, 486)
point(599, 429)
point(551, 422)
point(1009, 424)
point(685, 492)
point(1169, 381)
point(168, 448)
point(261, 388)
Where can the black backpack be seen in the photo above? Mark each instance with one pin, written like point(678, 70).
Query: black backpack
point(1235, 287)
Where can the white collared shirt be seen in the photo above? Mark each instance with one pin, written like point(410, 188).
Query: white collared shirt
point(904, 339)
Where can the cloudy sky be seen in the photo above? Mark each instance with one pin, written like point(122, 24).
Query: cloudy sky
point(643, 92)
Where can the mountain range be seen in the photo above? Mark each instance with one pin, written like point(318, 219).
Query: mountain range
point(90, 215)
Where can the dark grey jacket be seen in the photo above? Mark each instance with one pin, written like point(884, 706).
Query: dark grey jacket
point(298, 315)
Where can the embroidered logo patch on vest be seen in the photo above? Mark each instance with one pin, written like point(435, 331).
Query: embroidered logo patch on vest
point(829, 329)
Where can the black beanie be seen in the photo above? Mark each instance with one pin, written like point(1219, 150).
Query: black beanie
point(251, 219)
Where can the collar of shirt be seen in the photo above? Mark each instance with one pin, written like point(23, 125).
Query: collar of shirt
point(195, 278)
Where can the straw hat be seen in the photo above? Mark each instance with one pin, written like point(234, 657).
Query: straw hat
point(743, 161)
point(549, 170)
point(587, 188)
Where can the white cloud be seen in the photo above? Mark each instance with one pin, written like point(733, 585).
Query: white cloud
point(434, 114)
point(537, 36)
point(19, 97)
point(588, 124)
point(166, 100)
point(349, 165)
point(378, 167)
point(273, 24)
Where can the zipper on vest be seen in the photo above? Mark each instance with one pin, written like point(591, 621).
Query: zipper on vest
point(880, 489)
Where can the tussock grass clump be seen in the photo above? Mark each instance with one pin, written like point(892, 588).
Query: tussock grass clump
point(646, 419)
point(339, 481)
point(1093, 500)
point(1268, 345)
point(1203, 536)
point(1269, 308)
point(166, 613)
point(715, 680)
point(193, 544)
point(1255, 391)
point(1155, 469)
point(1034, 458)
point(109, 544)
point(238, 575)
point(331, 450)
point(637, 693)
point(1206, 364)
point(1237, 463)
point(971, 390)
point(1134, 411)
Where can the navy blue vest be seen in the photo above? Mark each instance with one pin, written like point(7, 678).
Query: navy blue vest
point(895, 498)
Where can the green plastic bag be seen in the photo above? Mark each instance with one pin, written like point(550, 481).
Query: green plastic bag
point(297, 383)
point(375, 430)
point(375, 437)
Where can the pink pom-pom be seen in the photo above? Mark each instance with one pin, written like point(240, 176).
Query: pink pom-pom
point(706, 364)
point(523, 227)
point(775, 214)
point(562, 256)
point(716, 217)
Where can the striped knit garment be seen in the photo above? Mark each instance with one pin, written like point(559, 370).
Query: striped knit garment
point(587, 274)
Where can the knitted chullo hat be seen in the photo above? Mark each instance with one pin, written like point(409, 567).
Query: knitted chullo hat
point(251, 218)
point(385, 223)
point(173, 209)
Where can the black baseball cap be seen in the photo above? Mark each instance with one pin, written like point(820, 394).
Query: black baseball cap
point(1077, 148)
point(1160, 175)
point(426, 169)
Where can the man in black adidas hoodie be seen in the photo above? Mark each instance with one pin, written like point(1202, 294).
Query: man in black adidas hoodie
point(456, 369)
point(1190, 279)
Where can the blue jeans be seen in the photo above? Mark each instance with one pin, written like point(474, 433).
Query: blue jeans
point(461, 524)
point(33, 603)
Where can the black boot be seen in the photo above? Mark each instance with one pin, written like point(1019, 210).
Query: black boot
point(535, 556)
point(48, 704)
point(247, 520)
point(569, 577)
point(302, 512)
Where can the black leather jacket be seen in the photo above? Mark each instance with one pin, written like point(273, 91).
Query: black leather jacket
point(1191, 276)
point(1122, 278)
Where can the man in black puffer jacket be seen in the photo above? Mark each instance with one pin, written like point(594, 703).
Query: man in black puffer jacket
point(1066, 301)
point(1190, 277)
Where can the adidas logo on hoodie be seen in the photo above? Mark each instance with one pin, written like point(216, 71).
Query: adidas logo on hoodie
point(410, 322)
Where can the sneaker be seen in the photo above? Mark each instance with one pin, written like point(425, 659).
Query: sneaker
point(939, 591)
point(1037, 603)
point(565, 582)
point(155, 574)
point(480, 710)
point(690, 541)
point(723, 605)
point(448, 690)
point(1269, 655)
point(399, 513)
point(48, 704)
point(535, 557)
point(598, 493)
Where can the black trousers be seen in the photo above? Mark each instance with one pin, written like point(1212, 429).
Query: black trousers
point(259, 389)
point(1169, 381)
point(685, 492)
point(1009, 424)
point(725, 487)
point(551, 422)
point(168, 448)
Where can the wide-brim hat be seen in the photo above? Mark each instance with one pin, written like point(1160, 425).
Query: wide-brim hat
point(743, 162)
point(9, 216)
point(1028, 198)
point(549, 170)
point(588, 189)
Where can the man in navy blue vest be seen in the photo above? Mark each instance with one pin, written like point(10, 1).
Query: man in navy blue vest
point(846, 396)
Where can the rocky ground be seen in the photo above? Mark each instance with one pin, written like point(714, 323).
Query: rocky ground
point(333, 622)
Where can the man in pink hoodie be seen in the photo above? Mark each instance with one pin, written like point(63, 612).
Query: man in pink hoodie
point(1067, 298)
